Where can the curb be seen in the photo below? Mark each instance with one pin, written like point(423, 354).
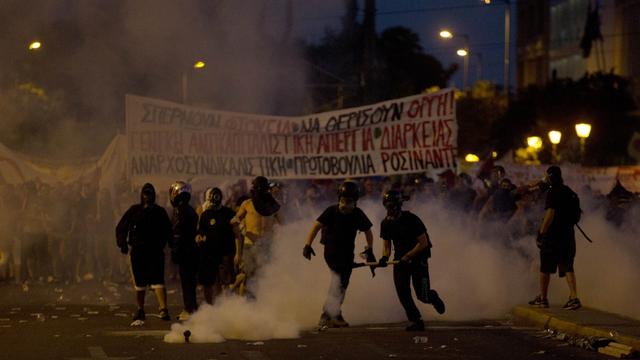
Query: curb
point(542, 319)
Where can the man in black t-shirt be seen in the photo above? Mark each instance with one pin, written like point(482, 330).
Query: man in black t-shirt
point(412, 250)
point(340, 224)
point(216, 238)
point(556, 240)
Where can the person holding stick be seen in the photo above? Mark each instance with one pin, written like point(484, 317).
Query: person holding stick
point(412, 251)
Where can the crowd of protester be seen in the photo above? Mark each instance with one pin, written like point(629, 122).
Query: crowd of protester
point(65, 232)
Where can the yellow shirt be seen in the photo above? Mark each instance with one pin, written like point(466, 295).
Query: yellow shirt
point(256, 226)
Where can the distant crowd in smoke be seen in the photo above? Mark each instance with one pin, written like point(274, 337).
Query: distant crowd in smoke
point(65, 232)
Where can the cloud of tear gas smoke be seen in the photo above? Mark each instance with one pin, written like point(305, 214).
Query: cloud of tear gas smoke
point(94, 53)
point(478, 273)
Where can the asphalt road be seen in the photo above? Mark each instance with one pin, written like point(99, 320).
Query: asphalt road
point(72, 322)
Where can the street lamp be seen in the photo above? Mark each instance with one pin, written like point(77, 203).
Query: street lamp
point(583, 130)
point(35, 45)
point(464, 52)
point(198, 65)
point(534, 142)
point(554, 137)
point(471, 158)
point(446, 34)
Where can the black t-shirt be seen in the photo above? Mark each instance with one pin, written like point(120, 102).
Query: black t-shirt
point(339, 233)
point(216, 226)
point(185, 223)
point(558, 199)
point(403, 232)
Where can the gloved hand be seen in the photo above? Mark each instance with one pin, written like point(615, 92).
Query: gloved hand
point(174, 257)
point(307, 252)
point(124, 249)
point(367, 254)
point(383, 261)
point(200, 239)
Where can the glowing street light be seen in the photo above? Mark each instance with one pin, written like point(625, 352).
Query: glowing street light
point(198, 65)
point(446, 34)
point(35, 45)
point(583, 130)
point(464, 52)
point(554, 137)
point(472, 158)
point(534, 142)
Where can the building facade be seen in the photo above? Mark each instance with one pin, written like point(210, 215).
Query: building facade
point(550, 32)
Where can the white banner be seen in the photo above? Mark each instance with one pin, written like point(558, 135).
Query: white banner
point(408, 135)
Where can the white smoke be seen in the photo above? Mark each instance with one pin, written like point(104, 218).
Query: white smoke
point(478, 277)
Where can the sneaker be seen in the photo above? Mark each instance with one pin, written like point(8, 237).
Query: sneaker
point(164, 314)
point(436, 301)
point(339, 322)
point(324, 322)
point(184, 316)
point(539, 302)
point(572, 304)
point(415, 326)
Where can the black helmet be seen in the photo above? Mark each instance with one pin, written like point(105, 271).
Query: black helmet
point(260, 184)
point(393, 198)
point(348, 189)
point(177, 189)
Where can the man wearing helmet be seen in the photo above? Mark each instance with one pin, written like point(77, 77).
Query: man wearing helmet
point(340, 224)
point(184, 251)
point(412, 250)
point(145, 229)
point(259, 214)
point(216, 239)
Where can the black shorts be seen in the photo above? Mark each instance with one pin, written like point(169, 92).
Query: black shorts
point(147, 267)
point(560, 260)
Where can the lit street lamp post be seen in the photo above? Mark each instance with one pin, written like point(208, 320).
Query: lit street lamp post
point(198, 65)
point(554, 137)
point(464, 52)
point(583, 130)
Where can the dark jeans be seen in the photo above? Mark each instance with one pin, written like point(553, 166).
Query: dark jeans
point(188, 269)
point(418, 274)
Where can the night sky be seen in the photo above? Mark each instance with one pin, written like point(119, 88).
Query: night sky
point(484, 24)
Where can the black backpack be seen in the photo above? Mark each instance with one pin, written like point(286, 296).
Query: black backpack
point(574, 210)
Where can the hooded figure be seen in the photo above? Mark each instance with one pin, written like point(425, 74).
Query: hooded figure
point(184, 251)
point(146, 229)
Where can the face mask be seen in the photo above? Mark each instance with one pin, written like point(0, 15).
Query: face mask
point(346, 206)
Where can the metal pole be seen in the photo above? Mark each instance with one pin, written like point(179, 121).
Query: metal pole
point(466, 71)
point(466, 62)
point(507, 28)
point(185, 87)
point(479, 69)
